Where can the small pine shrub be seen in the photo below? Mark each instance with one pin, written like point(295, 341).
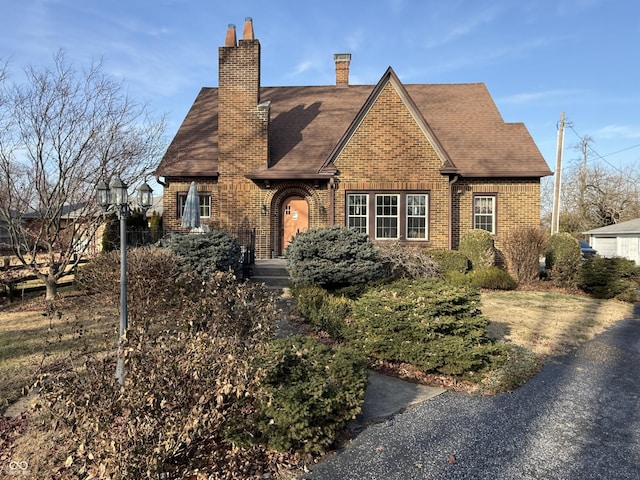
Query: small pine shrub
point(406, 261)
point(427, 323)
point(610, 278)
point(449, 260)
point(310, 394)
point(491, 278)
point(563, 260)
point(324, 311)
point(333, 257)
point(206, 253)
point(521, 250)
point(478, 246)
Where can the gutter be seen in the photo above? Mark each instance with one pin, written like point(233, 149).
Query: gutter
point(451, 182)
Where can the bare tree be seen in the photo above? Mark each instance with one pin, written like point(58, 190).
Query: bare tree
point(595, 195)
point(61, 132)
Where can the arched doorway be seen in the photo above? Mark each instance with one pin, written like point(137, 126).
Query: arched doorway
point(295, 219)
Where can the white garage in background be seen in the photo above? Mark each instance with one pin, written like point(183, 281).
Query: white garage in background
point(619, 240)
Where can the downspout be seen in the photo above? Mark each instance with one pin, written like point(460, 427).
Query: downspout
point(332, 201)
point(162, 182)
point(451, 182)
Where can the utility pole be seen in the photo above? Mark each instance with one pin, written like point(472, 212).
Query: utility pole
point(555, 215)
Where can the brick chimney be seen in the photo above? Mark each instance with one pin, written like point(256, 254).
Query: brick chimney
point(342, 61)
point(243, 124)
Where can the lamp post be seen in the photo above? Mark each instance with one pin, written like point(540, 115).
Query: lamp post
point(116, 196)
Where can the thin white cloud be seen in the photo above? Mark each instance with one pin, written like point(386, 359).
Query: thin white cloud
point(301, 68)
point(538, 97)
point(461, 29)
point(618, 131)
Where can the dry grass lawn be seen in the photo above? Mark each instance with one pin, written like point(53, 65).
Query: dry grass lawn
point(550, 323)
point(34, 336)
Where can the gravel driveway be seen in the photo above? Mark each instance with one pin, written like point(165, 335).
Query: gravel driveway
point(578, 419)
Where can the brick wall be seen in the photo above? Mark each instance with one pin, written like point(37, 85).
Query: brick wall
point(389, 151)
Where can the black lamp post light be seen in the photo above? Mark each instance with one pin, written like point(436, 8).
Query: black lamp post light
point(116, 197)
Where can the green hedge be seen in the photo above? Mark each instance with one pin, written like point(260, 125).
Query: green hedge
point(610, 278)
point(478, 246)
point(427, 323)
point(449, 260)
point(310, 394)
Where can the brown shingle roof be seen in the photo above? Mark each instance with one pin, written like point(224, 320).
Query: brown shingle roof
point(307, 123)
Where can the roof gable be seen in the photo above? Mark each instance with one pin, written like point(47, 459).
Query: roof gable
point(390, 78)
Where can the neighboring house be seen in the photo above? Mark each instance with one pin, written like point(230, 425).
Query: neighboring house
point(618, 240)
point(421, 164)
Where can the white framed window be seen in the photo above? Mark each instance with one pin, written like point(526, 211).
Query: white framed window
point(358, 212)
point(387, 216)
point(205, 204)
point(484, 213)
point(416, 224)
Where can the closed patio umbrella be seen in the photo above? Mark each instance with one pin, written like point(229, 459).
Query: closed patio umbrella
point(191, 213)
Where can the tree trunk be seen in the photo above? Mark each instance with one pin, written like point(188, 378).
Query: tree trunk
point(51, 287)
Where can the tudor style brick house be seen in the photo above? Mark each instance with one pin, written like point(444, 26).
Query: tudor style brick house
point(417, 163)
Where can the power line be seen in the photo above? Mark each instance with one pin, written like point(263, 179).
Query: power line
point(592, 150)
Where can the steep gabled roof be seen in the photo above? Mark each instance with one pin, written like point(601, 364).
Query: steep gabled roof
point(309, 124)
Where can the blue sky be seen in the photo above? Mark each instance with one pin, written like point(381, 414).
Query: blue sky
point(537, 58)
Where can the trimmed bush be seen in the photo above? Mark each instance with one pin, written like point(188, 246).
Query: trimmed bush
point(406, 261)
point(449, 260)
point(427, 323)
point(492, 278)
point(206, 253)
point(333, 257)
point(521, 249)
point(478, 246)
point(310, 394)
point(610, 278)
point(563, 260)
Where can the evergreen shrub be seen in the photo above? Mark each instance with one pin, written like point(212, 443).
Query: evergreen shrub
point(206, 253)
point(427, 323)
point(610, 278)
point(478, 246)
point(449, 260)
point(333, 257)
point(521, 250)
point(491, 278)
point(322, 310)
point(563, 260)
point(309, 395)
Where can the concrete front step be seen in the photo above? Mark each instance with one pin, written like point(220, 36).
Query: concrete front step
point(272, 272)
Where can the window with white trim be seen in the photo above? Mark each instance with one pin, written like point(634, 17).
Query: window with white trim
point(416, 216)
point(205, 204)
point(358, 212)
point(387, 216)
point(484, 213)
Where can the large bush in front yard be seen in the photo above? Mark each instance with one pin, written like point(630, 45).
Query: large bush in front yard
point(491, 278)
point(610, 278)
point(188, 378)
point(521, 248)
point(478, 246)
point(333, 257)
point(427, 323)
point(309, 395)
point(563, 260)
point(206, 253)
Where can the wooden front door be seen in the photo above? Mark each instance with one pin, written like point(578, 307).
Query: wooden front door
point(295, 219)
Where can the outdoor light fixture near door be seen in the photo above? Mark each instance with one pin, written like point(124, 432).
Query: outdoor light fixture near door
point(116, 197)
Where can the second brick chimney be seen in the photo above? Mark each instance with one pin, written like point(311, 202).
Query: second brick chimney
point(342, 68)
